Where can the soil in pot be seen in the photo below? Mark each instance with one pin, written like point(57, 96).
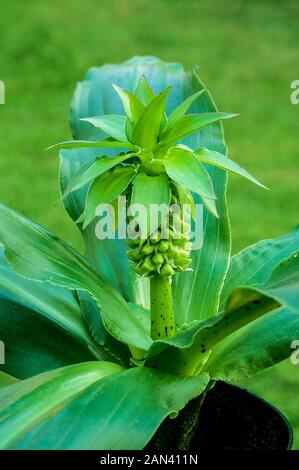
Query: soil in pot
point(228, 418)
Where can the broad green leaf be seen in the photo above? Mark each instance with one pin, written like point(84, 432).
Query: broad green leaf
point(133, 107)
point(180, 110)
point(144, 92)
point(96, 411)
point(262, 344)
point(100, 166)
point(56, 304)
point(196, 293)
point(283, 285)
point(147, 129)
point(34, 344)
point(104, 189)
point(147, 192)
point(217, 159)
point(253, 265)
point(282, 288)
point(6, 379)
point(192, 123)
point(115, 350)
point(107, 143)
point(113, 125)
point(184, 168)
point(37, 254)
point(143, 316)
point(31, 402)
point(268, 340)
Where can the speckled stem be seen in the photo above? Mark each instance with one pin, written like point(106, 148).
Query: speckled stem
point(162, 318)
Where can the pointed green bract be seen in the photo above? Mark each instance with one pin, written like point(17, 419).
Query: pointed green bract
point(149, 191)
point(192, 123)
point(147, 128)
point(113, 125)
point(221, 161)
point(107, 143)
point(144, 92)
point(211, 206)
point(100, 166)
point(179, 112)
point(131, 103)
point(185, 197)
point(184, 168)
point(104, 189)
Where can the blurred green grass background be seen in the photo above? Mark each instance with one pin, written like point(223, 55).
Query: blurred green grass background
point(248, 55)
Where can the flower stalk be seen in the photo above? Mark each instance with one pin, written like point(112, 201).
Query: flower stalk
point(162, 317)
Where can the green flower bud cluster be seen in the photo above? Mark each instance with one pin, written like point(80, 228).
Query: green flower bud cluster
point(162, 253)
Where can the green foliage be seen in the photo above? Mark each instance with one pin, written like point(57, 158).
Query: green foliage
point(185, 169)
point(87, 308)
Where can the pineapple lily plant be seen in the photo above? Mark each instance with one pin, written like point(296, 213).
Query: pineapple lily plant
point(101, 348)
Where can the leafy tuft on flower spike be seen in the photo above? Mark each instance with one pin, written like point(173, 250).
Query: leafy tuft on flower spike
point(152, 140)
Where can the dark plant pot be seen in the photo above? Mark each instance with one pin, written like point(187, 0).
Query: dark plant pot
point(229, 418)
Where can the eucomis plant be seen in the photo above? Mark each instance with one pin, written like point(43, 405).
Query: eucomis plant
point(101, 348)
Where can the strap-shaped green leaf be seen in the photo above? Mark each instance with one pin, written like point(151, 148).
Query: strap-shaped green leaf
point(53, 303)
point(44, 395)
point(184, 168)
point(192, 123)
point(37, 254)
point(133, 107)
point(104, 189)
point(147, 129)
point(149, 191)
point(100, 166)
point(267, 341)
point(93, 406)
point(179, 112)
point(114, 350)
point(113, 125)
point(106, 143)
point(253, 266)
point(257, 346)
point(221, 161)
point(33, 344)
